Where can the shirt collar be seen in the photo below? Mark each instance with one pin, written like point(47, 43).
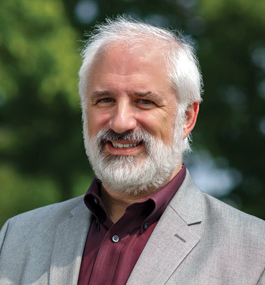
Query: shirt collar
point(153, 206)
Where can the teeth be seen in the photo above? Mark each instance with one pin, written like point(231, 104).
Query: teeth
point(127, 145)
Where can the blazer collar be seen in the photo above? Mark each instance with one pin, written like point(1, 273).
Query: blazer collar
point(175, 236)
point(188, 202)
point(69, 245)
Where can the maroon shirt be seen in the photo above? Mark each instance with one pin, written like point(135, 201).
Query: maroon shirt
point(112, 250)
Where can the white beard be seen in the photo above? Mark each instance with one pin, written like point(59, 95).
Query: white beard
point(151, 169)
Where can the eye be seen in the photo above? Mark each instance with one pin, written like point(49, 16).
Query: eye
point(105, 100)
point(145, 104)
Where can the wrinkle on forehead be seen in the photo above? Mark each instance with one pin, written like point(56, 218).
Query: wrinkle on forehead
point(135, 55)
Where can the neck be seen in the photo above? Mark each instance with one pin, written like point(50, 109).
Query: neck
point(116, 202)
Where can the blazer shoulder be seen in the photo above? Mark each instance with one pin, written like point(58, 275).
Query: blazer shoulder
point(42, 218)
point(224, 216)
point(214, 211)
point(56, 209)
point(194, 205)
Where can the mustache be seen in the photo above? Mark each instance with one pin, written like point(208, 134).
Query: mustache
point(131, 135)
point(106, 135)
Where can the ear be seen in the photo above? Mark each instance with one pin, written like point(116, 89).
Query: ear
point(191, 117)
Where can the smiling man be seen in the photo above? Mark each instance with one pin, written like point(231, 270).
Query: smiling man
point(142, 220)
point(132, 122)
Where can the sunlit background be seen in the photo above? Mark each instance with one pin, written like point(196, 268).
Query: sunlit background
point(42, 160)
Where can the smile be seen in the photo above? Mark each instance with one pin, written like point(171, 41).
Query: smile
point(126, 145)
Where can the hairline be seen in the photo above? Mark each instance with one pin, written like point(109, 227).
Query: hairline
point(163, 47)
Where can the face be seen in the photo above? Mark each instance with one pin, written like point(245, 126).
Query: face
point(129, 90)
point(132, 114)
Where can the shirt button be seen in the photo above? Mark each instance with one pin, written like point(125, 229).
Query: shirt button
point(96, 222)
point(115, 238)
point(145, 226)
point(95, 200)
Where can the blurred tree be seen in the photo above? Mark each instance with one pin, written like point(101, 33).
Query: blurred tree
point(232, 56)
point(40, 129)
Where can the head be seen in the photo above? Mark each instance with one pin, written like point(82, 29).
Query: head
point(138, 44)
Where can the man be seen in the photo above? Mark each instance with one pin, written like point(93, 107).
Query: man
point(142, 221)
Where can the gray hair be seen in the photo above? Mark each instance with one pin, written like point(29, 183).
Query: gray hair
point(182, 65)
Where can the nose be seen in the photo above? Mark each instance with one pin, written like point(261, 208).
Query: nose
point(123, 118)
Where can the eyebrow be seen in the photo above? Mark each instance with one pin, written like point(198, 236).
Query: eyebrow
point(146, 95)
point(150, 95)
point(98, 94)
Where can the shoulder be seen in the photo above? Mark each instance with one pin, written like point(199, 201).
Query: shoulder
point(223, 216)
point(193, 205)
point(38, 220)
point(57, 210)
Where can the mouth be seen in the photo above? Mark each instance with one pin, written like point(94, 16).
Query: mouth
point(119, 145)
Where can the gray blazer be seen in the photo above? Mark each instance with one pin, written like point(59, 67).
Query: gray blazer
point(198, 240)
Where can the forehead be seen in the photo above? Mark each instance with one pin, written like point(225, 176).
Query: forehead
point(142, 49)
point(124, 59)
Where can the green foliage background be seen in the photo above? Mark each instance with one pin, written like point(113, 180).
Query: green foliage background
point(42, 160)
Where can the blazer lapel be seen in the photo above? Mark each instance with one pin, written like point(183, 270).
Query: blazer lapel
point(68, 247)
point(175, 236)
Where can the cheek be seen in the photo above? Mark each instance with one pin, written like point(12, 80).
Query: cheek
point(97, 121)
point(167, 127)
point(158, 125)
